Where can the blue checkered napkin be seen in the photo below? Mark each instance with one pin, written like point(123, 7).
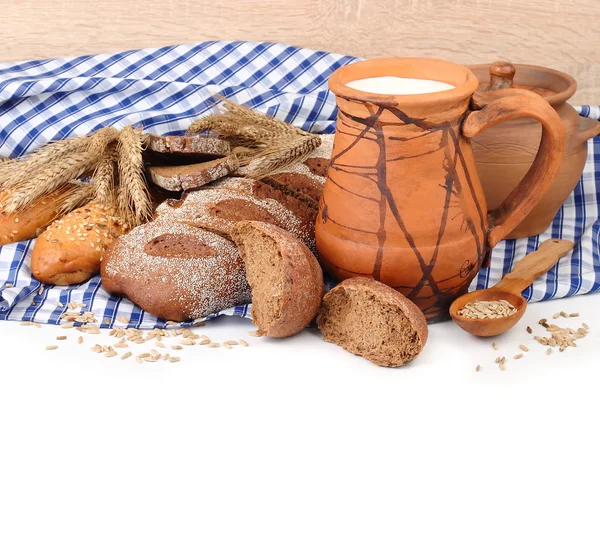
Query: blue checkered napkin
point(163, 90)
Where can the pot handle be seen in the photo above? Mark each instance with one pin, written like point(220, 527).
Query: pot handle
point(511, 104)
point(588, 128)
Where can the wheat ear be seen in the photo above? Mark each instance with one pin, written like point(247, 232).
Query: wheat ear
point(282, 155)
point(133, 198)
point(54, 165)
point(104, 177)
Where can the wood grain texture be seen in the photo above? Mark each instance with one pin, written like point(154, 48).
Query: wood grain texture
point(562, 34)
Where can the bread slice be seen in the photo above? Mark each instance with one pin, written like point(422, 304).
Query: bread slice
point(368, 318)
point(285, 278)
point(192, 176)
point(193, 145)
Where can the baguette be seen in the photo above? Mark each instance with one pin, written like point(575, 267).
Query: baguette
point(28, 223)
point(71, 249)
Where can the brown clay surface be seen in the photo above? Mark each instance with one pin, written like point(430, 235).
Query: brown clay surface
point(403, 203)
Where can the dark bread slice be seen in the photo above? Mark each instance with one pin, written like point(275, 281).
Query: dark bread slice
point(368, 318)
point(285, 278)
point(194, 145)
point(187, 177)
point(175, 271)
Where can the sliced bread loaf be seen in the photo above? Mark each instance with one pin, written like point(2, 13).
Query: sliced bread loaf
point(285, 278)
point(370, 319)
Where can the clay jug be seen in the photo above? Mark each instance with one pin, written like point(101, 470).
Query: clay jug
point(402, 202)
point(503, 154)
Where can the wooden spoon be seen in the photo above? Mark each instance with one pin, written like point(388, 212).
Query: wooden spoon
point(509, 288)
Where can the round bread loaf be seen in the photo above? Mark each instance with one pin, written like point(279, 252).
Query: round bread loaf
point(373, 320)
point(71, 249)
point(175, 271)
point(285, 278)
point(235, 199)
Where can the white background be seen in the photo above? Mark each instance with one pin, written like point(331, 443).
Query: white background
point(297, 444)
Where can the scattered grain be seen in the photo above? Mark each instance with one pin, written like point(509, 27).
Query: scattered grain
point(518, 356)
point(244, 343)
point(51, 347)
point(524, 348)
point(126, 355)
point(61, 337)
point(529, 330)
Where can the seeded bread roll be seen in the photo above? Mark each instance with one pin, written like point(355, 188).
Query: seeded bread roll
point(284, 275)
point(71, 249)
point(368, 318)
point(25, 225)
point(175, 271)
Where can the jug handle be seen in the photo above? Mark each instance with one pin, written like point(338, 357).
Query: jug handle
point(508, 105)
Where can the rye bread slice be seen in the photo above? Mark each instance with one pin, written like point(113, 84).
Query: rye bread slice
point(368, 318)
point(284, 276)
point(192, 176)
point(193, 145)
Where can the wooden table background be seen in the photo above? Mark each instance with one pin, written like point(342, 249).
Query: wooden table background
point(563, 34)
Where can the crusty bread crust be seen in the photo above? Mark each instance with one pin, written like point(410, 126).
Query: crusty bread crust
point(300, 282)
point(175, 271)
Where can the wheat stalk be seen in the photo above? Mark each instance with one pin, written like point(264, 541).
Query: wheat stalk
point(133, 198)
point(263, 142)
point(76, 195)
point(104, 177)
point(53, 165)
point(282, 155)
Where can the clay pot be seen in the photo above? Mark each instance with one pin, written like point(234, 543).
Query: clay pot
point(402, 202)
point(503, 154)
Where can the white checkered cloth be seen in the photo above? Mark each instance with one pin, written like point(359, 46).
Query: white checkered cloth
point(163, 90)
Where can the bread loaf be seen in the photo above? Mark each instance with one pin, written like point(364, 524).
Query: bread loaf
point(71, 249)
point(21, 226)
point(235, 199)
point(175, 271)
point(27, 223)
point(284, 275)
point(368, 318)
point(184, 265)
